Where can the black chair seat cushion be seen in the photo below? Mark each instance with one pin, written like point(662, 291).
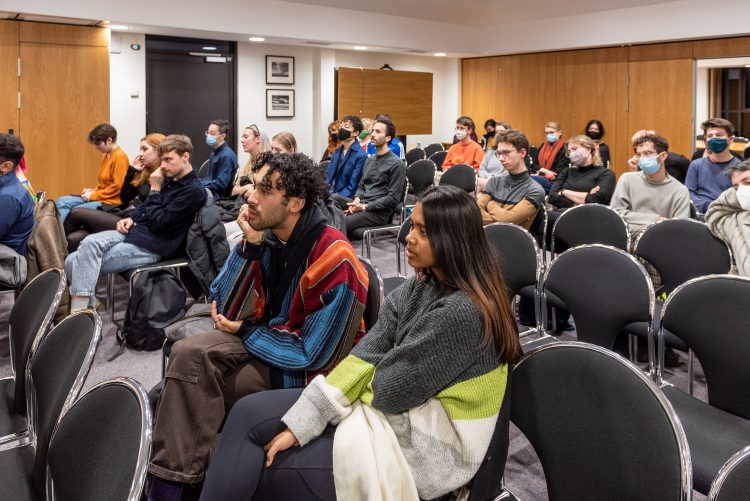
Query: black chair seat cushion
point(640, 330)
point(527, 291)
point(10, 422)
point(391, 283)
point(713, 435)
point(16, 474)
point(359, 233)
point(536, 343)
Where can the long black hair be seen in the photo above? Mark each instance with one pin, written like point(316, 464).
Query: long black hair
point(467, 262)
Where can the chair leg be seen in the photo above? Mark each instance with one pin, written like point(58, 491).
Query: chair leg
point(690, 372)
point(398, 259)
point(368, 242)
point(632, 347)
point(111, 296)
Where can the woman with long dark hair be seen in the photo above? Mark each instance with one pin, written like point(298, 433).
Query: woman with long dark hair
point(135, 188)
point(421, 392)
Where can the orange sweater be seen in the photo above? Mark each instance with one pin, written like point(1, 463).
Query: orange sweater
point(471, 154)
point(110, 178)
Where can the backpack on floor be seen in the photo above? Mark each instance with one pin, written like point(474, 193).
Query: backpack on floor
point(157, 301)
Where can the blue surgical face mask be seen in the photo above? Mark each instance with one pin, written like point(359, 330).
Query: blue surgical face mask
point(649, 165)
point(717, 144)
point(211, 140)
point(551, 137)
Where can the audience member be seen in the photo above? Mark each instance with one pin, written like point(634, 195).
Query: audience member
point(156, 229)
point(305, 289)
point(396, 146)
point(551, 157)
point(595, 130)
point(21, 175)
point(585, 181)
point(705, 177)
point(488, 138)
point(345, 168)
point(135, 189)
point(110, 178)
point(16, 211)
point(333, 141)
point(651, 194)
point(284, 142)
point(466, 150)
point(676, 165)
point(491, 164)
point(254, 142)
point(511, 196)
point(431, 373)
point(728, 217)
point(381, 188)
point(222, 163)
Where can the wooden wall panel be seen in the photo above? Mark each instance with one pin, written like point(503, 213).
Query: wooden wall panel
point(722, 47)
point(481, 88)
point(405, 95)
point(660, 51)
point(65, 93)
point(9, 76)
point(63, 34)
point(668, 113)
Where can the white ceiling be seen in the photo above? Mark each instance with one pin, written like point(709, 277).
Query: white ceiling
point(479, 13)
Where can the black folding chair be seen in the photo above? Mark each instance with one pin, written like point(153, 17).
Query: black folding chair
point(421, 175)
point(462, 176)
point(710, 314)
point(733, 481)
point(604, 288)
point(589, 224)
point(600, 427)
point(433, 148)
point(415, 154)
point(438, 158)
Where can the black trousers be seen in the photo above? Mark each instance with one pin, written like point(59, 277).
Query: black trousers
point(238, 470)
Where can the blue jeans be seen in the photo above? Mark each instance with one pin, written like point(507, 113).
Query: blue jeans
point(546, 183)
point(70, 202)
point(103, 252)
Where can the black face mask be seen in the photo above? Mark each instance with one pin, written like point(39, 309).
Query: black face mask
point(594, 134)
point(344, 134)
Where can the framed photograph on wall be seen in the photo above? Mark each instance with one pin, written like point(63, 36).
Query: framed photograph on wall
point(280, 70)
point(279, 103)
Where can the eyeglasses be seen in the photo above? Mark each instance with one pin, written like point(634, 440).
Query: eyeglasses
point(504, 153)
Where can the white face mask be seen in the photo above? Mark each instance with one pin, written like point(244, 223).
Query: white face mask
point(460, 134)
point(743, 196)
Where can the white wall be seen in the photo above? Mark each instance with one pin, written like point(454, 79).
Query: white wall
point(127, 74)
point(313, 89)
point(446, 87)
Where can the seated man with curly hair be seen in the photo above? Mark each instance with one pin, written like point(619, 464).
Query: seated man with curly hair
point(305, 290)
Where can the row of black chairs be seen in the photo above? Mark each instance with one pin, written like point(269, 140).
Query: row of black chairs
point(56, 445)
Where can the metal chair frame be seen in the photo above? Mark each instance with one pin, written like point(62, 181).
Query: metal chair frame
point(726, 471)
point(580, 207)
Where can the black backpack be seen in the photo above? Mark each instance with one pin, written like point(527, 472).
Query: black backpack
point(157, 301)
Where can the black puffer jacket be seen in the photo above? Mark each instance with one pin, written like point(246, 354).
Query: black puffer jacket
point(206, 248)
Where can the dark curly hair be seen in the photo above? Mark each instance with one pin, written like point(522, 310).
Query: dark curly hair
point(299, 176)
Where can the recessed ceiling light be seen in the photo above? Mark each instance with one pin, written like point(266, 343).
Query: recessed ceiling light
point(116, 27)
point(440, 54)
point(209, 48)
point(359, 47)
point(257, 39)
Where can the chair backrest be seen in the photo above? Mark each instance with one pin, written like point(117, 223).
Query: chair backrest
point(403, 232)
point(203, 169)
point(518, 255)
point(711, 315)
point(682, 249)
point(462, 176)
point(600, 427)
point(432, 148)
point(374, 294)
point(538, 228)
point(100, 447)
point(58, 370)
point(438, 158)
point(604, 288)
point(30, 318)
point(589, 224)
point(421, 175)
point(414, 154)
point(733, 480)
point(324, 165)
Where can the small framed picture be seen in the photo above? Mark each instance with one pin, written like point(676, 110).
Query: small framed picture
point(279, 103)
point(280, 70)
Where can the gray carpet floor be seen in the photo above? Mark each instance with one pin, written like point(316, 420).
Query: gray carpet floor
point(524, 475)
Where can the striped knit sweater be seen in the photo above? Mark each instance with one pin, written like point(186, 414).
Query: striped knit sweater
point(324, 302)
point(423, 366)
